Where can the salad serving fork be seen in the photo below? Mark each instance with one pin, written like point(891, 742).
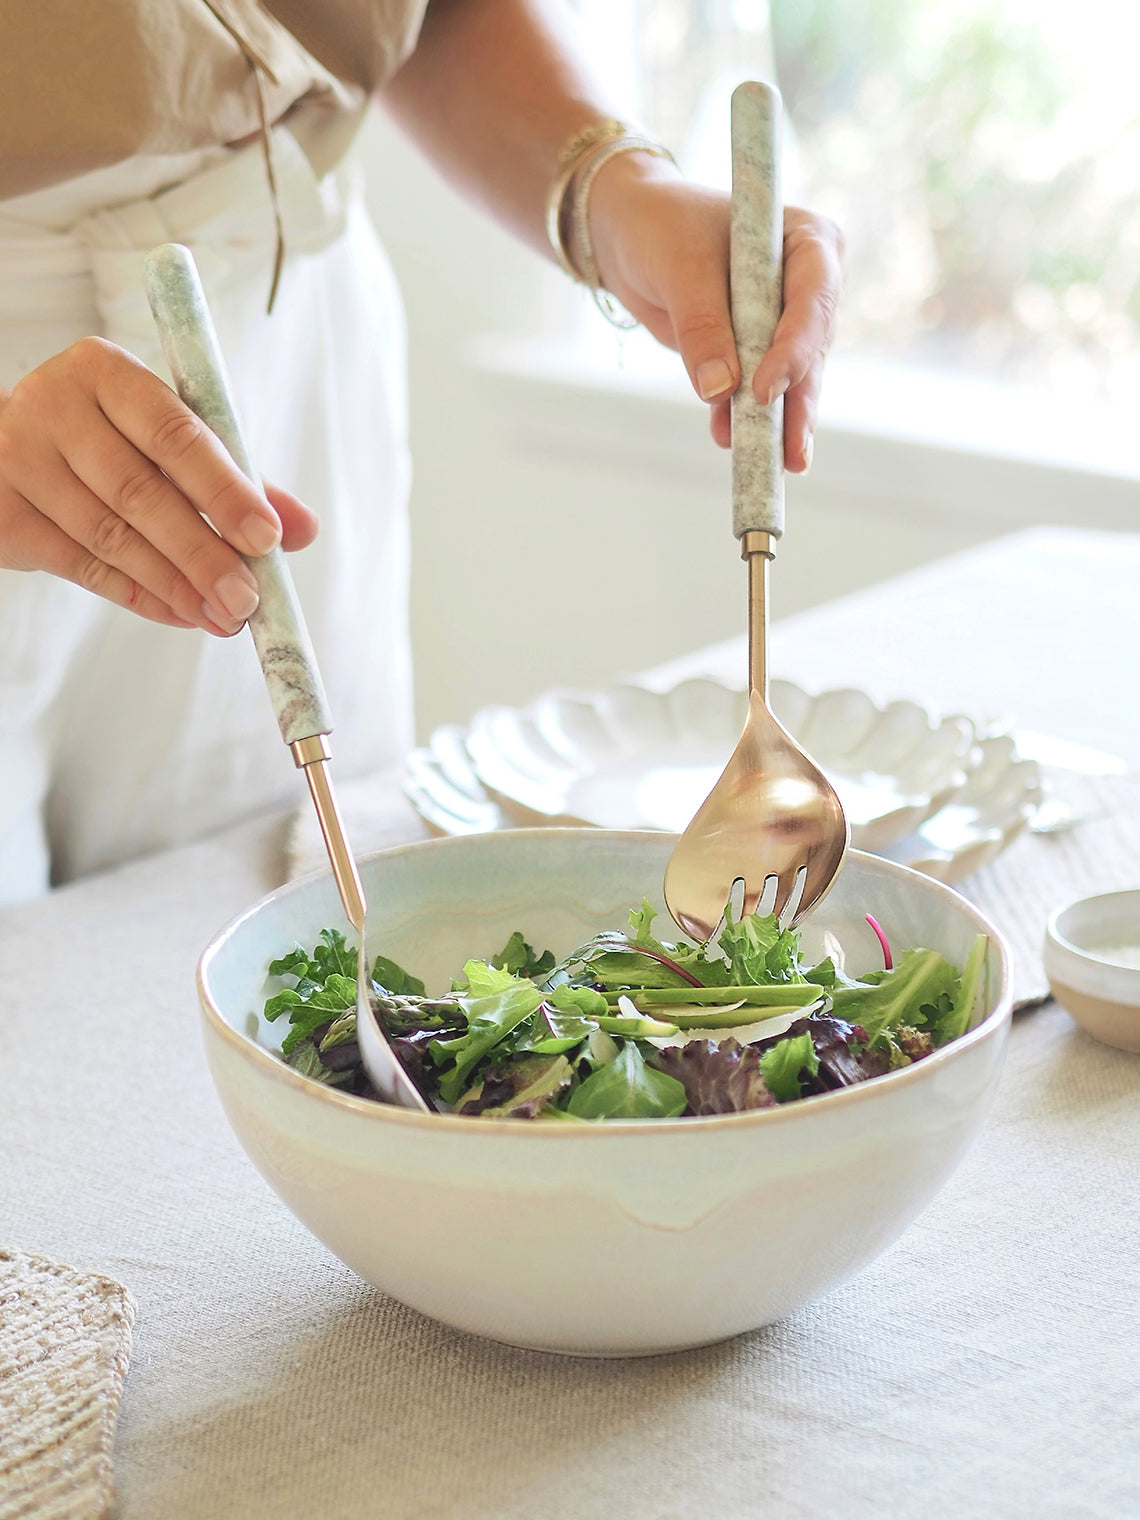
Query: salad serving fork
point(773, 821)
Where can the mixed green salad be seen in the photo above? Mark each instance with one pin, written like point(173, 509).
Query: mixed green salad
point(628, 1026)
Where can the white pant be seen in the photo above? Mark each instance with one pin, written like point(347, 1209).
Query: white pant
point(119, 736)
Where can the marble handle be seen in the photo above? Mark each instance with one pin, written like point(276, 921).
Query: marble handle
point(190, 344)
point(756, 278)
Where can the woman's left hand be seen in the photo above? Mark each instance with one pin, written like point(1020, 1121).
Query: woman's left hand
point(661, 244)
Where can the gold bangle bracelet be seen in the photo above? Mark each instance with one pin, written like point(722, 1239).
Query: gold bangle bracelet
point(569, 161)
point(583, 242)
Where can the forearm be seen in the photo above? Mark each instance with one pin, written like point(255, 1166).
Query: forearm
point(492, 93)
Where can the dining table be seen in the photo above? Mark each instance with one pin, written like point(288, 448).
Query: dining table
point(985, 1367)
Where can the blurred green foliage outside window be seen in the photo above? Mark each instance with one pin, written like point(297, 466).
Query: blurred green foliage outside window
point(982, 156)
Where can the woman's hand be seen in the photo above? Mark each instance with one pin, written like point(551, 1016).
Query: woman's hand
point(662, 249)
point(106, 479)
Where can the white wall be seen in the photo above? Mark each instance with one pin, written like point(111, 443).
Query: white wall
point(568, 528)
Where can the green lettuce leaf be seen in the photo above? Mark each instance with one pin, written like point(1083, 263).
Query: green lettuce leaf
point(294, 963)
point(616, 969)
point(394, 980)
point(520, 959)
point(641, 921)
point(627, 1088)
point(759, 951)
point(337, 994)
point(311, 1004)
point(551, 1033)
point(303, 1024)
point(289, 997)
point(955, 1020)
point(886, 999)
point(781, 1066)
point(583, 1001)
point(331, 955)
point(638, 959)
point(489, 1019)
point(691, 958)
point(825, 974)
point(483, 980)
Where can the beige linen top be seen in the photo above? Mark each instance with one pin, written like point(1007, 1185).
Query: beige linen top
point(88, 83)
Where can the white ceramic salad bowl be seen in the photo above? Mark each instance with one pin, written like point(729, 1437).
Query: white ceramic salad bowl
point(616, 1238)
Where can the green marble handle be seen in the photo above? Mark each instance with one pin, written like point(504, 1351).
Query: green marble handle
point(190, 344)
point(756, 270)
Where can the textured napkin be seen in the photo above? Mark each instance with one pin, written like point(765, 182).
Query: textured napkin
point(65, 1339)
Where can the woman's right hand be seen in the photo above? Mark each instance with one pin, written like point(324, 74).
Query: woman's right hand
point(107, 479)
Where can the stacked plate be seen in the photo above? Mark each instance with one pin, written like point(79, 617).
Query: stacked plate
point(932, 792)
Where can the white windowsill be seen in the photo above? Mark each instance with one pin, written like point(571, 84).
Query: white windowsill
point(911, 440)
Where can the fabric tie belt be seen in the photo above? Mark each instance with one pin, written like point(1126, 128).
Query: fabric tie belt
point(223, 213)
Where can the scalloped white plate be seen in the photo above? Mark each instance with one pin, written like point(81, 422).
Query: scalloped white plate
point(924, 790)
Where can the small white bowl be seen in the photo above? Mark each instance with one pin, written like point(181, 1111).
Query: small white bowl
point(1086, 958)
point(616, 1239)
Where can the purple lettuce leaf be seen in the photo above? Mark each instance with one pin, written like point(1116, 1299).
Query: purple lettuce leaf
point(719, 1077)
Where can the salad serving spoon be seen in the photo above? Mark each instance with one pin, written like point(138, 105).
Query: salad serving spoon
point(194, 357)
point(773, 821)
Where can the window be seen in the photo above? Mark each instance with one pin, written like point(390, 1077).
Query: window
point(983, 157)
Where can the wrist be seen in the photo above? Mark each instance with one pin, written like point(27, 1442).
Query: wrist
point(611, 207)
point(618, 181)
point(570, 212)
point(585, 262)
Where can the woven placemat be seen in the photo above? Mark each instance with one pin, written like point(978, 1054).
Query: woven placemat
point(65, 1340)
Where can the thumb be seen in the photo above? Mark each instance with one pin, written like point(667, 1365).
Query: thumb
point(299, 523)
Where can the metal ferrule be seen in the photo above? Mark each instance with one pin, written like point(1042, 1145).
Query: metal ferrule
point(305, 751)
point(756, 541)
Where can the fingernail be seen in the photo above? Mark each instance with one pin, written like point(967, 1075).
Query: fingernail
point(808, 452)
point(235, 594)
point(777, 391)
point(713, 378)
point(260, 534)
point(215, 620)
